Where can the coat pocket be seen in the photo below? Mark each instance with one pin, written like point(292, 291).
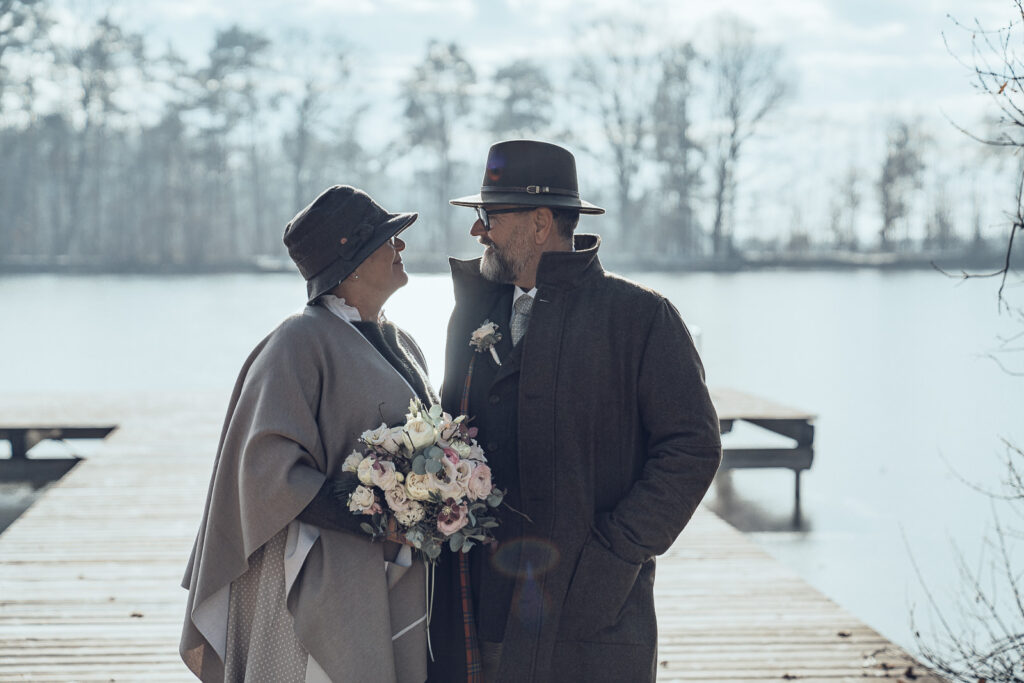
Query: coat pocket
point(598, 591)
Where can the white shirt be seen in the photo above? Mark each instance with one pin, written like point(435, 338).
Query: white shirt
point(338, 307)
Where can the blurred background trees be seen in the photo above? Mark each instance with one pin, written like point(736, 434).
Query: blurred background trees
point(120, 154)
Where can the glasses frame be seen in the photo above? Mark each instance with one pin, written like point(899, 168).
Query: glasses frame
point(484, 214)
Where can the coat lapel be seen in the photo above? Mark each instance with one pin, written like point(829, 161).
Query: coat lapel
point(510, 360)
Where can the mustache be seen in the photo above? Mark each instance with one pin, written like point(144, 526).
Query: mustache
point(486, 241)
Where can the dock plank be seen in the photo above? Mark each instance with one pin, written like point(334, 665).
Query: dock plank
point(736, 405)
point(89, 575)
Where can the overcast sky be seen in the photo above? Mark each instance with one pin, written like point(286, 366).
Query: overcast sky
point(864, 53)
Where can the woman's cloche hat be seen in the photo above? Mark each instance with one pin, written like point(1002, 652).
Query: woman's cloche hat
point(328, 239)
point(529, 173)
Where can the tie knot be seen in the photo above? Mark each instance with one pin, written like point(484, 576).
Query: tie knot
point(523, 304)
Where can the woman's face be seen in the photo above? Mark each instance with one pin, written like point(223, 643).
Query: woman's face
point(383, 271)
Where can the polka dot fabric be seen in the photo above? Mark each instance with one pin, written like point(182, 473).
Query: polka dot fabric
point(261, 631)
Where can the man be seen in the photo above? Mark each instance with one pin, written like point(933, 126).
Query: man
point(595, 419)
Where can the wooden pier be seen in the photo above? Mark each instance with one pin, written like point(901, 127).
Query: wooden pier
point(89, 575)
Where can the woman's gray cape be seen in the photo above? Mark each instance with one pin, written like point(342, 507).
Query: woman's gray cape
point(302, 399)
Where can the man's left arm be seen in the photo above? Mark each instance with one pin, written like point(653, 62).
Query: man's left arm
point(683, 445)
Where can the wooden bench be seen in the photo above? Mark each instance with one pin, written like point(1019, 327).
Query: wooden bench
point(734, 406)
point(19, 467)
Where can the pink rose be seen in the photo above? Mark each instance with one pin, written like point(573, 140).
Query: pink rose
point(452, 455)
point(479, 485)
point(452, 517)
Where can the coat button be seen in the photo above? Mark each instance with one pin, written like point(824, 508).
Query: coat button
point(492, 446)
point(494, 399)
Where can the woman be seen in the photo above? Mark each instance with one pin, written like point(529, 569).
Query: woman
point(282, 584)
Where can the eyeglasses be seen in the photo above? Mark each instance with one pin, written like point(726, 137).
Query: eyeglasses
point(485, 214)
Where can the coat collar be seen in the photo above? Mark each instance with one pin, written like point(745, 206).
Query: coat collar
point(558, 269)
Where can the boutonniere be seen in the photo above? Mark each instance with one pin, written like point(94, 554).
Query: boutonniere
point(485, 337)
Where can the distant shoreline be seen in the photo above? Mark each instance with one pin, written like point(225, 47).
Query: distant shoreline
point(953, 262)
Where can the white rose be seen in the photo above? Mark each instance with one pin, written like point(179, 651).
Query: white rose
point(411, 515)
point(463, 471)
point(419, 433)
point(476, 453)
point(361, 499)
point(365, 470)
point(417, 486)
point(461, 448)
point(383, 475)
point(374, 437)
point(481, 333)
point(450, 488)
point(351, 463)
point(394, 440)
point(397, 498)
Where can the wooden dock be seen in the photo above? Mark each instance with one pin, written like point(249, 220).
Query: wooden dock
point(89, 575)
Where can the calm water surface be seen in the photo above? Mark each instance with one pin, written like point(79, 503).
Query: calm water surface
point(894, 364)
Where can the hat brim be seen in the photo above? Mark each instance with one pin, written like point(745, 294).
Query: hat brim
point(520, 199)
point(333, 275)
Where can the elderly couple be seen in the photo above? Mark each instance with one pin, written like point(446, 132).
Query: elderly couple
point(592, 411)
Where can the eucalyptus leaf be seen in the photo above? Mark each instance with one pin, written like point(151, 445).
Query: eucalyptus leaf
point(435, 411)
point(433, 466)
point(433, 452)
point(367, 528)
point(419, 465)
point(467, 545)
point(472, 517)
point(455, 541)
point(494, 500)
point(433, 551)
point(489, 524)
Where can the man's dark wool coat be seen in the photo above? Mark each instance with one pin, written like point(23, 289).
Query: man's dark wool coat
point(617, 444)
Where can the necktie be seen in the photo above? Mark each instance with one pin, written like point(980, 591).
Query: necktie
point(520, 317)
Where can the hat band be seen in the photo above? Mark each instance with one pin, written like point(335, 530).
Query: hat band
point(531, 189)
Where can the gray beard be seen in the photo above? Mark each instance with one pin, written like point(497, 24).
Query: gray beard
point(497, 267)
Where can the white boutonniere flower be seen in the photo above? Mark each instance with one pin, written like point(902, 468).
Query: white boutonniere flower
point(485, 337)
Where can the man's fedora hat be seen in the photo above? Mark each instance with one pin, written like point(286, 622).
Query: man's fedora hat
point(334, 234)
point(529, 173)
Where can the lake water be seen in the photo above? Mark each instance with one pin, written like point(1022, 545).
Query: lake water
point(894, 364)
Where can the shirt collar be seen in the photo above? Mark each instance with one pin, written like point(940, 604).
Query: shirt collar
point(519, 291)
point(338, 307)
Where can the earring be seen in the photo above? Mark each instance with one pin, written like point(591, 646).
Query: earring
point(355, 276)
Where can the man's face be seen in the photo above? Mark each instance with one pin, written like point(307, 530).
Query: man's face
point(509, 248)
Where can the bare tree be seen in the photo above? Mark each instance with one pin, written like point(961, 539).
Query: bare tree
point(748, 85)
point(320, 147)
point(940, 230)
point(227, 97)
point(900, 177)
point(678, 153)
point(616, 73)
point(998, 74)
point(23, 23)
point(844, 210)
point(990, 644)
point(99, 67)
point(437, 100)
point(523, 90)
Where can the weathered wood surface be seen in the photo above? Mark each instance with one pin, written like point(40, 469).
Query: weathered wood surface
point(737, 405)
point(89, 575)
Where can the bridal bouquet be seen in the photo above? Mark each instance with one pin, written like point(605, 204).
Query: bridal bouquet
point(427, 479)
